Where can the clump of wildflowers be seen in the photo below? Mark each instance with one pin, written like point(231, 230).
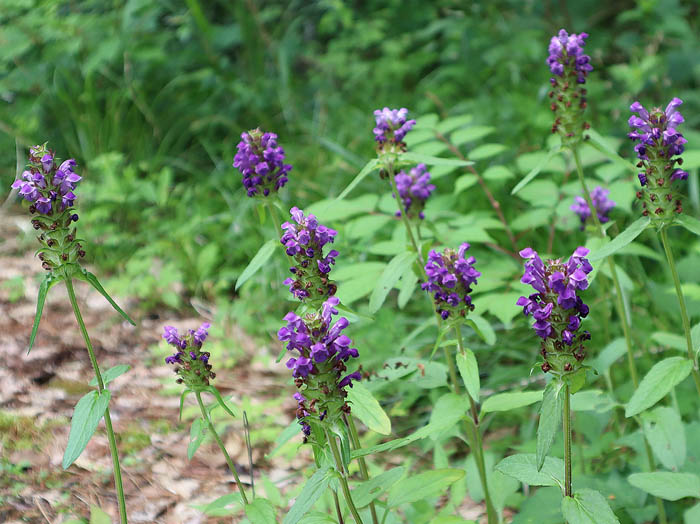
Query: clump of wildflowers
point(570, 67)
point(658, 142)
point(602, 204)
point(450, 280)
point(392, 126)
point(304, 242)
point(556, 307)
point(191, 363)
point(49, 187)
point(318, 366)
point(261, 162)
point(414, 189)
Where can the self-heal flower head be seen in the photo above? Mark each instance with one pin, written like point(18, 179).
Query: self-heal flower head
point(261, 162)
point(191, 363)
point(304, 241)
point(602, 204)
point(320, 352)
point(391, 128)
point(658, 146)
point(570, 67)
point(450, 280)
point(556, 306)
point(414, 189)
point(49, 187)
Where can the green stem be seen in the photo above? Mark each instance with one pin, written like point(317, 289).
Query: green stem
point(681, 303)
point(364, 473)
point(404, 217)
point(231, 466)
point(338, 511)
point(567, 442)
point(100, 387)
point(343, 477)
point(478, 446)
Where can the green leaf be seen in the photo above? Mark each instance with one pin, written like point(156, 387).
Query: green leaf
point(597, 142)
point(587, 507)
point(470, 134)
point(92, 280)
point(312, 491)
point(448, 410)
point(41, 299)
point(290, 431)
point(523, 467)
point(367, 409)
point(482, 327)
point(692, 516)
point(258, 261)
point(422, 486)
point(316, 517)
point(510, 400)
point(434, 160)
point(261, 511)
point(182, 400)
point(692, 224)
point(550, 419)
point(87, 415)
point(665, 433)
point(656, 384)
point(98, 516)
point(198, 431)
point(667, 485)
point(369, 490)
point(628, 235)
point(112, 373)
point(369, 167)
point(535, 170)
point(390, 277)
point(212, 389)
point(469, 369)
point(486, 151)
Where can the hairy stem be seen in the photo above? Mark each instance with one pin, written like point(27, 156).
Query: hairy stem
point(681, 303)
point(364, 473)
point(100, 387)
point(231, 466)
point(567, 441)
point(343, 477)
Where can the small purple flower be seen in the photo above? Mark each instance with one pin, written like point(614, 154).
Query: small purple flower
point(321, 351)
point(261, 162)
point(392, 126)
point(194, 368)
point(414, 189)
point(49, 188)
point(450, 280)
point(556, 306)
point(658, 144)
point(570, 67)
point(602, 204)
point(305, 241)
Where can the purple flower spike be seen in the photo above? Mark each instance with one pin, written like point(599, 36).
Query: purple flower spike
point(304, 241)
point(414, 189)
point(320, 353)
point(570, 67)
point(450, 280)
point(261, 162)
point(392, 126)
point(556, 306)
point(658, 144)
point(193, 367)
point(602, 204)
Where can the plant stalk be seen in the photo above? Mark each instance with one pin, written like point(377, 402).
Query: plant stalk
point(364, 473)
point(338, 511)
point(567, 442)
point(681, 303)
point(343, 477)
point(404, 217)
point(100, 387)
point(231, 466)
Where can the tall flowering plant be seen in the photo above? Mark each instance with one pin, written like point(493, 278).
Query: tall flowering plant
point(194, 369)
point(49, 188)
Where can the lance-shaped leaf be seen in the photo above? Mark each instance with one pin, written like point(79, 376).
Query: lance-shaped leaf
point(429, 160)
point(182, 400)
point(550, 419)
point(535, 170)
point(112, 373)
point(258, 261)
point(41, 299)
point(657, 383)
point(92, 280)
point(469, 369)
point(692, 224)
point(220, 399)
point(310, 493)
point(369, 167)
point(87, 415)
point(628, 235)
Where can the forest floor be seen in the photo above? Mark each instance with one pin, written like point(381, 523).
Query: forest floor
point(39, 390)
